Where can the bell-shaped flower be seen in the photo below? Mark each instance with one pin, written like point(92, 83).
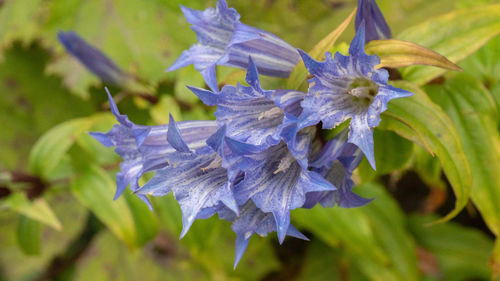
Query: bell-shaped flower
point(336, 162)
point(255, 116)
point(224, 40)
point(348, 87)
point(196, 177)
point(376, 26)
point(275, 182)
point(252, 220)
point(92, 58)
point(145, 148)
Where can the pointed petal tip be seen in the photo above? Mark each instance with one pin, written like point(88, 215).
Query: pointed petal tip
point(103, 138)
point(240, 248)
point(292, 231)
point(281, 234)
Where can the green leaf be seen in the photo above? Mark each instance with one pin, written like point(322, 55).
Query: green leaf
point(145, 221)
point(374, 236)
point(327, 267)
point(29, 234)
point(428, 168)
point(462, 253)
point(95, 189)
point(474, 115)
point(19, 21)
point(165, 106)
point(395, 53)
point(53, 145)
point(37, 209)
point(299, 74)
point(485, 66)
point(455, 35)
point(418, 119)
point(391, 153)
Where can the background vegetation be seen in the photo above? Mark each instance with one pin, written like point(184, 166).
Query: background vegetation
point(57, 217)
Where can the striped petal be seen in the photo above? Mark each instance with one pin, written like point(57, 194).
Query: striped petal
point(199, 182)
point(337, 162)
point(224, 40)
point(272, 55)
point(250, 221)
point(251, 114)
point(145, 148)
point(277, 184)
point(376, 26)
point(348, 87)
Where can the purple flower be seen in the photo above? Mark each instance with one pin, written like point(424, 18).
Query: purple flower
point(196, 177)
point(256, 116)
point(145, 148)
point(336, 162)
point(224, 40)
point(92, 58)
point(376, 26)
point(275, 182)
point(252, 220)
point(348, 87)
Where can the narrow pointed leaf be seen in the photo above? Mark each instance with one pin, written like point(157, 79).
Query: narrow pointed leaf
point(397, 53)
point(95, 190)
point(420, 120)
point(37, 209)
point(473, 112)
point(50, 149)
point(455, 35)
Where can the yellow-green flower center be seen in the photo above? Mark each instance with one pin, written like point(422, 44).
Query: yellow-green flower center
point(363, 90)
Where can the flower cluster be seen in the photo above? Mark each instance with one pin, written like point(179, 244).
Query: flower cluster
point(262, 157)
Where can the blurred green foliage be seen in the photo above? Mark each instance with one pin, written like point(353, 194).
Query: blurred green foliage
point(56, 183)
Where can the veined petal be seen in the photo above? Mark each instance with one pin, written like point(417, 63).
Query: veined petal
point(145, 148)
point(278, 184)
point(252, 220)
point(224, 40)
point(251, 114)
point(338, 170)
point(214, 27)
point(198, 184)
point(272, 55)
point(362, 136)
point(330, 151)
point(376, 26)
point(348, 87)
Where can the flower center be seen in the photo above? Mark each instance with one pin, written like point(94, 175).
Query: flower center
point(363, 90)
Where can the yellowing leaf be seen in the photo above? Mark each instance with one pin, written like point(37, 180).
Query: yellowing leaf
point(455, 35)
point(37, 209)
point(397, 53)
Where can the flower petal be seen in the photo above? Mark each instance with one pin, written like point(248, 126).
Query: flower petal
point(376, 26)
point(253, 220)
point(272, 55)
point(278, 184)
point(92, 58)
